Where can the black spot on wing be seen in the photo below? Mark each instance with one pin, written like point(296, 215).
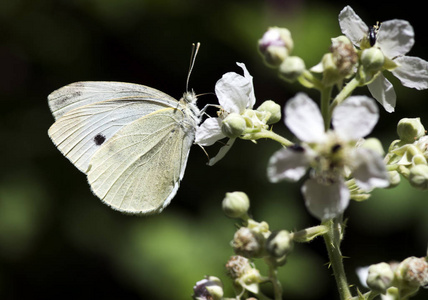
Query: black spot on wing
point(99, 139)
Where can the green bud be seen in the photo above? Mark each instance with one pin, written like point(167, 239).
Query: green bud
point(372, 60)
point(291, 68)
point(209, 288)
point(380, 277)
point(236, 205)
point(279, 243)
point(394, 179)
point(273, 108)
point(275, 45)
point(410, 129)
point(418, 176)
point(374, 144)
point(233, 125)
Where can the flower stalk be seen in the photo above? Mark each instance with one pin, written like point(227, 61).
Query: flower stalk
point(332, 240)
point(267, 134)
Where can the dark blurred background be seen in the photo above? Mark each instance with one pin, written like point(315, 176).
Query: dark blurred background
point(58, 241)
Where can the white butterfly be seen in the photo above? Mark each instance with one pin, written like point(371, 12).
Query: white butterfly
point(132, 141)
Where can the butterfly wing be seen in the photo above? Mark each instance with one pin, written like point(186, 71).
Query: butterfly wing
point(83, 93)
point(139, 169)
point(89, 113)
point(79, 133)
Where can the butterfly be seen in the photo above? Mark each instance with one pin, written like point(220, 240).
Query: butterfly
point(132, 141)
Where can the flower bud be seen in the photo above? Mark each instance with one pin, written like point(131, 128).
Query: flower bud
point(275, 45)
point(243, 274)
point(374, 144)
point(279, 243)
point(412, 273)
point(372, 60)
point(410, 129)
point(380, 277)
point(233, 125)
point(291, 68)
point(236, 205)
point(418, 176)
point(331, 73)
point(394, 179)
point(344, 55)
point(248, 243)
point(273, 108)
point(210, 288)
point(237, 266)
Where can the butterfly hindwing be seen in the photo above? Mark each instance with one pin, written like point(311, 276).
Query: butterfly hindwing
point(138, 170)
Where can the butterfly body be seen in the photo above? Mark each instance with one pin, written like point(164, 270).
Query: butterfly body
point(132, 141)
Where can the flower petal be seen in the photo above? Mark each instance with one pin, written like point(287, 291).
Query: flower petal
point(412, 72)
point(383, 91)
point(235, 92)
point(369, 169)
point(325, 201)
point(209, 132)
point(395, 38)
point(222, 152)
point(252, 99)
point(304, 119)
point(352, 25)
point(363, 273)
point(288, 164)
point(355, 117)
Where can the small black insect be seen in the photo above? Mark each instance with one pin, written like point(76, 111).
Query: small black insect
point(372, 34)
point(99, 139)
point(335, 148)
point(297, 148)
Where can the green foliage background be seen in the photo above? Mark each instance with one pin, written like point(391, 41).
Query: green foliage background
point(58, 241)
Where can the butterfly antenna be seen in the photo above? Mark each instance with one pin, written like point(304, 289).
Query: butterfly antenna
point(195, 49)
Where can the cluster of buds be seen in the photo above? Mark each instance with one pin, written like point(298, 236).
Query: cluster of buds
point(254, 239)
point(235, 125)
point(251, 241)
point(399, 279)
point(408, 155)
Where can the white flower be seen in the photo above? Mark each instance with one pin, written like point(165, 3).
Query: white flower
point(235, 94)
point(331, 155)
point(395, 38)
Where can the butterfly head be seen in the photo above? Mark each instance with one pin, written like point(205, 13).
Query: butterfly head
point(189, 97)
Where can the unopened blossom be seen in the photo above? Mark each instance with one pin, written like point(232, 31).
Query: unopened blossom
point(235, 94)
point(332, 156)
point(394, 38)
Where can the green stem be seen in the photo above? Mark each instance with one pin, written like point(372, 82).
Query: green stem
point(277, 289)
point(332, 240)
point(267, 134)
point(307, 79)
point(345, 92)
point(325, 110)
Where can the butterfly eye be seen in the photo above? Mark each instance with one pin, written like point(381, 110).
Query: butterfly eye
point(99, 139)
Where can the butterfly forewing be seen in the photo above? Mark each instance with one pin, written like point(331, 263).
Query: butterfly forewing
point(80, 132)
point(83, 93)
point(139, 169)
